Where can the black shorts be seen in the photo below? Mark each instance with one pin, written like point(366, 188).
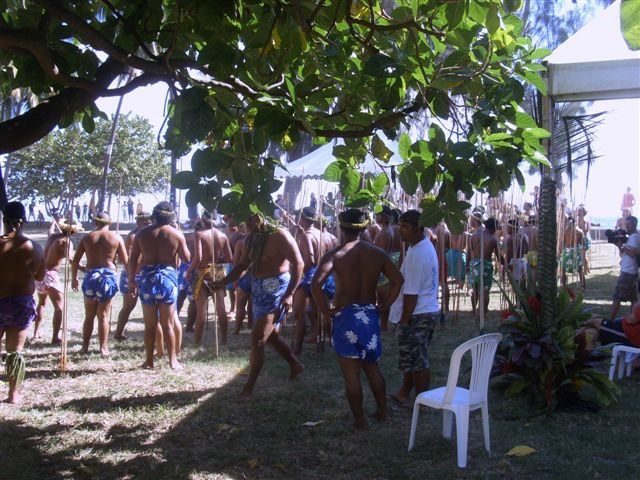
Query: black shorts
point(611, 331)
point(413, 341)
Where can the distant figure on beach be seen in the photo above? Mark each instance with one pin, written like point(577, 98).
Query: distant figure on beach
point(139, 208)
point(32, 214)
point(628, 201)
point(130, 209)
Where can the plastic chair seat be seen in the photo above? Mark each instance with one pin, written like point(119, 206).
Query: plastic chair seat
point(458, 401)
point(622, 356)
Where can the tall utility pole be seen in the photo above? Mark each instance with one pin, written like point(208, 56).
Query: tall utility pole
point(107, 159)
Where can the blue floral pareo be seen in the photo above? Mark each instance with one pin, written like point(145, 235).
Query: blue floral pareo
point(100, 284)
point(157, 284)
point(266, 296)
point(356, 332)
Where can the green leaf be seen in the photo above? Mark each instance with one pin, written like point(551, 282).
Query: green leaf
point(630, 23)
point(428, 179)
point(534, 79)
point(349, 182)
point(493, 20)
point(496, 137)
point(404, 144)
point(273, 119)
point(455, 12)
point(380, 150)
point(524, 120)
point(334, 170)
point(88, 125)
point(380, 65)
point(409, 179)
point(380, 183)
point(360, 199)
point(539, 53)
point(539, 132)
point(477, 12)
point(185, 179)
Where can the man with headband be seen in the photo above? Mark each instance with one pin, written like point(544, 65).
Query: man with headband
point(129, 300)
point(56, 249)
point(211, 254)
point(100, 283)
point(274, 262)
point(160, 246)
point(308, 239)
point(357, 266)
point(22, 262)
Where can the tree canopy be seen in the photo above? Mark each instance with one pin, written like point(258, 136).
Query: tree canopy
point(68, 163)
point(246, 73)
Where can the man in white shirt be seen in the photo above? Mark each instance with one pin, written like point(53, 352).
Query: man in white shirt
point(416, 311)
point(626, 289)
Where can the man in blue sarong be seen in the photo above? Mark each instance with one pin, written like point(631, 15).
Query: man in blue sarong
point(356, 266)
point(21, 262)
point(100, 283)
point(273, 259)
point(160, 245)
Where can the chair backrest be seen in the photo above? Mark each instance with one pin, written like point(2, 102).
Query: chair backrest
point(483, 350)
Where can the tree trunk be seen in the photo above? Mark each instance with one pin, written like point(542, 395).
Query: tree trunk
point(107, 157)
point(547, 260)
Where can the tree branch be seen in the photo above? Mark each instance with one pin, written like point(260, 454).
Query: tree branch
point(140, 81)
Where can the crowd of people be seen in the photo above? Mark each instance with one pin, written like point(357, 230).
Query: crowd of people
point(386, 275)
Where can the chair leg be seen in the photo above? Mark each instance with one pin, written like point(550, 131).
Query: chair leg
point(447, 423)
point(462, 434)
point(485, 426)
point(621, 365)
point(612, 368)
point(414, 425)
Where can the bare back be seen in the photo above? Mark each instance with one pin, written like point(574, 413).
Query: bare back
point(278, 248)
point(205, 241)
point(365, 259)
point(101, 247)
point(458, 241)
point(482, 245)
point(160, 245)
point(55, 251)
point(21, 261)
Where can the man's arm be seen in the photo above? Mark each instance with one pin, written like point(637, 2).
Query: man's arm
point(631, 247)
point(121, 253)
point(132, 265)
point(197, 254)
point(183, 251)
point(38, 259)
point(296, 266)
point(75, 264)
point(228, 254)
point(239, 267)
point(392, 272)
point(322, 273)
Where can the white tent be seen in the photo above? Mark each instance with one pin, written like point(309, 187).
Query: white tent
point(595, 63)
point(313, 165)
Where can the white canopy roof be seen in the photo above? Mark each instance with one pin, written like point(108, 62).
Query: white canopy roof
point(595, 63)
point(315, 163)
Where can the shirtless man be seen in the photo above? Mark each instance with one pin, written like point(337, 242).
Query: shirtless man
point(571, 260)
point(584, 224)
point(243, 298)
point(628, 201)
point(185, 288)
point(357, 265)
point(208, 265)
point(308, 238)
point(384, 239)
point(57, 248)
point(160, 246)
point(275, 264)
point(22, 262)
point(517, 246)
point(129, 300)
point(443, 244)
point(234, 234)
point(530, 230)
point(100, 283)
point(482, 246)
point(456, 257)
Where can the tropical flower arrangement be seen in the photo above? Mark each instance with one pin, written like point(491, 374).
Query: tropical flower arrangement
point(543, 358)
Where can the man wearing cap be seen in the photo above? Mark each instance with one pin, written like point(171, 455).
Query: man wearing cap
point(275, 264)
point(129, 300)
point(58, 247)
point(22, 262)
point(160, 245)
point(482, 246)
point(211, 255)
point(309, 239)
point(357, 266)
point(416, 311)
point(100, 283)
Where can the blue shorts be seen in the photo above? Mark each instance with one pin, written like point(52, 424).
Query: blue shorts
point(244, 283)
point(183, 283)
point(266, 296)
point(157, 284)
point(123, 284)
point(17, 312)
point(456, 264)
point(356, 332)
point(306, 279)
point(329, 287)
point(100, 284)
point(230, 286)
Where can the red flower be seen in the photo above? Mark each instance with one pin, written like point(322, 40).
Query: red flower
point(506, 314)
point(534, 304)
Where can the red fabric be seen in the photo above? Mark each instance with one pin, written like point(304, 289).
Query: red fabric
point(632, 332)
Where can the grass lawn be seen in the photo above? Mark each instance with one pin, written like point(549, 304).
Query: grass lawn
point(108, 419)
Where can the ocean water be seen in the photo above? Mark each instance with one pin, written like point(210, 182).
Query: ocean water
point(605, 222)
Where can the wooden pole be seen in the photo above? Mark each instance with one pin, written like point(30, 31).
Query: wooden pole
point(65, 307)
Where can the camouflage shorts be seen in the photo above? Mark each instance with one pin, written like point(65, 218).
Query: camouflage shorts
point(414, 340)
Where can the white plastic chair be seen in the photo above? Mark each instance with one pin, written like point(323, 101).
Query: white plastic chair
point(454, 400)
point(622, 355)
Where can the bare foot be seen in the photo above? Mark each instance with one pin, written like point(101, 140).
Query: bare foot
point(244, 396)
point(14, 399)
point(382, 417)
point(147, 366)
point(119, 338)
point(360, 425)
point(104, 351)
point(56, 341)
point(160, 354)
point(84, 351)
point(296, 370)
point(400, 400)
point(176, 365)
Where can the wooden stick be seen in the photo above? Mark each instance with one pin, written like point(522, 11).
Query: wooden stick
point(213, 292)
point(65, 308)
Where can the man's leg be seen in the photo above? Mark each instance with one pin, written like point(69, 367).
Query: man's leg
point(57, 301)
point(351, 373)
point(486, 302)
point(284, 350)
point(615, 306)
point(177, 332)
point(221, 312)
point(167, 314)
point(378, 389)
point(15, 343)
point(128, 304)
point(232, 300)
point(42, 303)
point(403, 394)
point(300, 304)
point(241, 309)
point(421, 380)
point(104, 309)
point(384, 314)
point(182, 296)
point(191, 315)
point(150, 315)
point(201, 309)
point(90, 310)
